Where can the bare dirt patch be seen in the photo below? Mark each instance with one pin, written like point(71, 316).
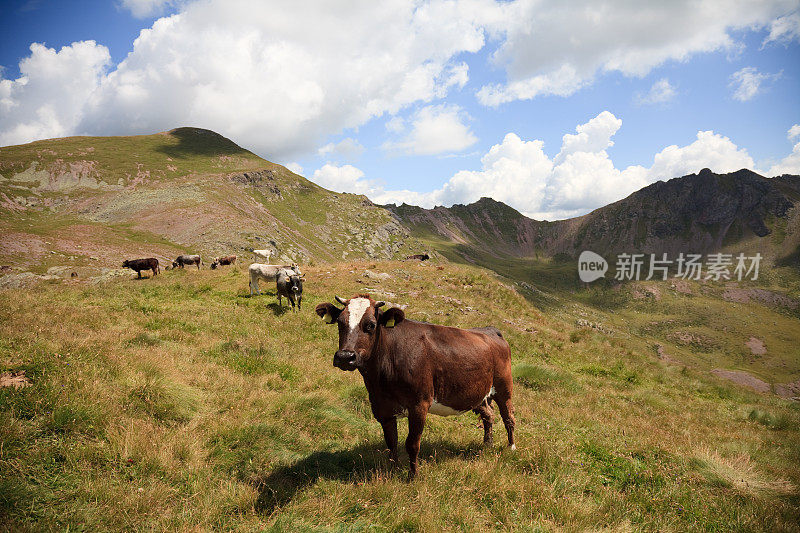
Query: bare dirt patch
point(18, 380)
point(664, 356)
point(681, 286)
point(788, 390)
point(640, 292)
point(756, 346)
point(768, 298)
point(743, 378)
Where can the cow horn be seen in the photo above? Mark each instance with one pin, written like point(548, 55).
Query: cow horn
point(341, 301)
point(379, 304)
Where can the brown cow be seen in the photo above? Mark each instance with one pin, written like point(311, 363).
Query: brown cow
point(150, 263)
point(227, 260)
point(419, 257)
point(413, 368)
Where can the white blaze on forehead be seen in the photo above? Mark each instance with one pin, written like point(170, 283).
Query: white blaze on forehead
point(357, 307)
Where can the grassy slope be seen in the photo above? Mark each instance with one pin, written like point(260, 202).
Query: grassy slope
point(180, 403)
point(172, 190)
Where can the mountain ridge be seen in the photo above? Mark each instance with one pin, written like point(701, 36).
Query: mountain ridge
point(191, 189)
point(696, 213)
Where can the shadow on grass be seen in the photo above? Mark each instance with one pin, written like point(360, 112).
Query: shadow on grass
point(199, 142)
point(278, 487)
point(277, 310)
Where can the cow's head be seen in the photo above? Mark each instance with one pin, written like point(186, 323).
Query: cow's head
point(214, 265)
point(125, 263)
point(295, 284)
point(360, 324)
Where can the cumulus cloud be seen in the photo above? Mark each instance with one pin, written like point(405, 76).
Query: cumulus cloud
point(661, 92)
point(748, 82)
point(295, 167)
point(48, 98)
point(146, 8)
point(434, 130)
point(345, 178)
point(581, 177)
point(348, 148)
point(556, 48)
point(276, 79)
point(791, 163)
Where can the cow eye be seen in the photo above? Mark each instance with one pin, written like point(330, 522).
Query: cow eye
point(369, 327)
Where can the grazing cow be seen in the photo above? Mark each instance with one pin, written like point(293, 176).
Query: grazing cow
point(413, 368)
point(74, 275)
point(227, 260)
point(151, 263)
point(261, 254)
point(419, 257)
point(289, 284)
point(184, 260)
point(267, 273)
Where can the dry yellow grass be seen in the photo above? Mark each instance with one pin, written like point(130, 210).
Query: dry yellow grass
point(180, 403)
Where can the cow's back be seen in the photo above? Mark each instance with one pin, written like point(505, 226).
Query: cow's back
point(458, 366)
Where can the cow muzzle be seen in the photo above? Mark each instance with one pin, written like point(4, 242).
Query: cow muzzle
point(345, 359)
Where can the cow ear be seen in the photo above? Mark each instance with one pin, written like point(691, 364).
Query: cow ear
point(391, 317)
point(328, 312)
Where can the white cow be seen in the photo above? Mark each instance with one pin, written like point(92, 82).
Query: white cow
point(268, 273)
point(261, 254)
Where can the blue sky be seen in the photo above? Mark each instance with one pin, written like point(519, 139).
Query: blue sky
point(553, 110)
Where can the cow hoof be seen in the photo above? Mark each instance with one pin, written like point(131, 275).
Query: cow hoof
point(513, 447)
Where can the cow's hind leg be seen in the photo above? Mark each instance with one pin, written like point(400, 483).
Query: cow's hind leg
point(389, 426)
point(486, 413)
point(416, 423)
point(503, 400)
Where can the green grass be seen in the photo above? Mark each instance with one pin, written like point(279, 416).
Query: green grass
point(182, 403)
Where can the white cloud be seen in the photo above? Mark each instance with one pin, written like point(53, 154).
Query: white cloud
point(791, 163)
point(748, 83)
point(784, 29)
point(345, 178)
point(275, 79)
point(348, 148)
point(581, 177)
point(295, 167)
point(661, 92)
point(435, 130)
point(710, 150)
point(48, 98)
point(556, 48)
point(146, 8)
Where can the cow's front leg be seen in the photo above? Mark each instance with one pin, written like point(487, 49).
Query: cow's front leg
point(389, 426)
point(416, 423)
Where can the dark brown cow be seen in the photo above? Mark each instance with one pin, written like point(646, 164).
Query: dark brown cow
point(413, 368)
point(227, 260)
point(419, 257)
point(150, 263)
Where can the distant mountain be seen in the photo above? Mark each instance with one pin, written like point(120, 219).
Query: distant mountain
point(698, 213)
point(95, 200)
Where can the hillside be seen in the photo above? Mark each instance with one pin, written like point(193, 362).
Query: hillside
point(90, 201)
point(180, 403)
point(701, 213)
